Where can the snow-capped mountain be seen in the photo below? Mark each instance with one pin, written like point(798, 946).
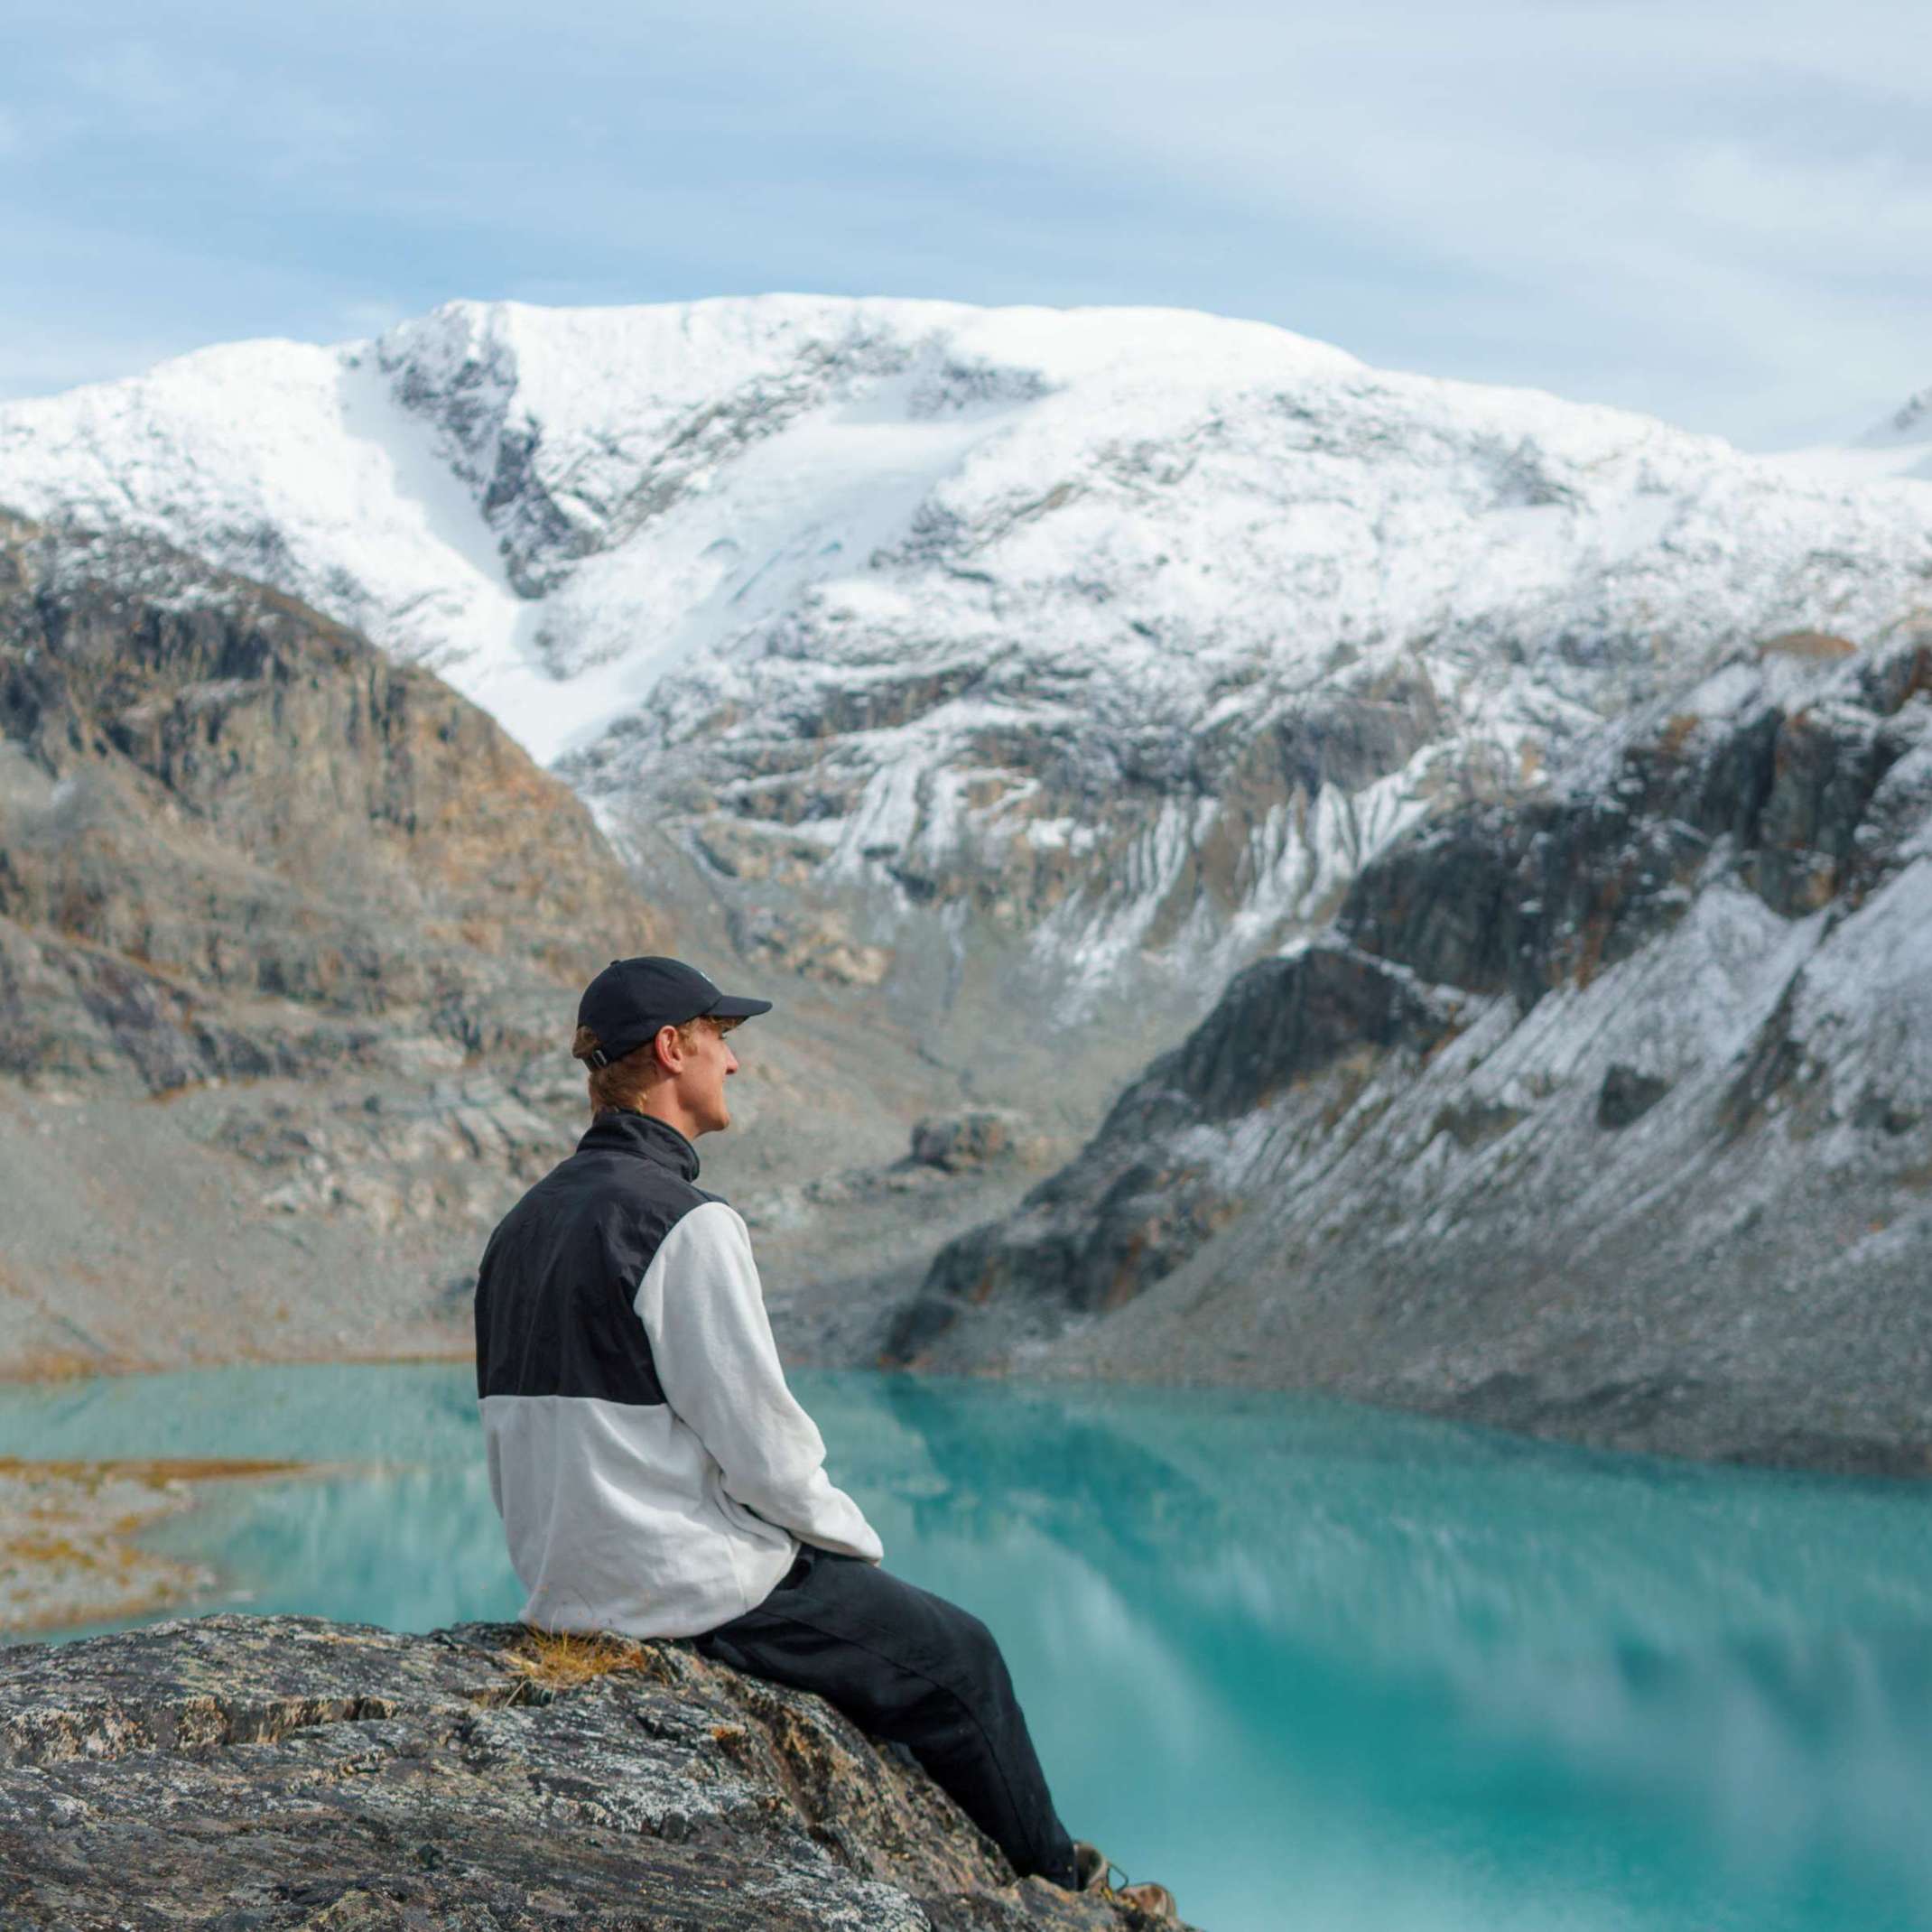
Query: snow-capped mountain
point(1105, 632)
point(1559, 779)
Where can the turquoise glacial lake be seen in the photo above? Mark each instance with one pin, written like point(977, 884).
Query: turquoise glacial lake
point(1314, 1666)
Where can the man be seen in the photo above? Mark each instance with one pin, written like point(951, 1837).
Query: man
point(655, 1473)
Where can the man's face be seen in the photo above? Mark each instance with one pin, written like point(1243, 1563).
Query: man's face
point(709, 1062)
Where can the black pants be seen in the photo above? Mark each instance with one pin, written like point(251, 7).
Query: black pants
point(912, 1667)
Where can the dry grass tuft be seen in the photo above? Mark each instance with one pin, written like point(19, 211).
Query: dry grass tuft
point(567, 1658)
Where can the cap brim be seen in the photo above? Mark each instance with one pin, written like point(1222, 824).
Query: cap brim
point(732, 1006)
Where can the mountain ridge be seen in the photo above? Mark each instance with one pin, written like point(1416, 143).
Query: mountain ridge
point(1117, 639)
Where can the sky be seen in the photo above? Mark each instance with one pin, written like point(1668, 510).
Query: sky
point(1718, 213)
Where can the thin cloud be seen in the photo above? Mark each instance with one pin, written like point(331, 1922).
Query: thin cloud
point(143, 91)
point(369, 317)
point(1626, 173)
point(132, 77)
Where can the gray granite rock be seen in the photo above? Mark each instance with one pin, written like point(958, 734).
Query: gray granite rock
point(239, 1772)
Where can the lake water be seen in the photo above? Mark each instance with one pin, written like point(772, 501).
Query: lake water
point(1314, 1666)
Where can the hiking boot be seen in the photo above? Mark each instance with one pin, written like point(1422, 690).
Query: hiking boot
point(1091, 1869)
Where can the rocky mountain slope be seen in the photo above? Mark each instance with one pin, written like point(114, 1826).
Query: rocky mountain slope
point(284, 1771)
point(1609, 1113)
point(281, 922)
point(291, 936)
point(1001, 661)
point(245, 799)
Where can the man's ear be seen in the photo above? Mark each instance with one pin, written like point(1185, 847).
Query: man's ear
point(669, 1049)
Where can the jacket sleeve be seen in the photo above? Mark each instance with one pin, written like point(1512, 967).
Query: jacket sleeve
point(703, 1310)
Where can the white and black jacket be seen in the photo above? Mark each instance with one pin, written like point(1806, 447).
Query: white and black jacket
point(653, 1474)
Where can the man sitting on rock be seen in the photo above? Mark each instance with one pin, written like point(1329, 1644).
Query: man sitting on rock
point(655, 1473)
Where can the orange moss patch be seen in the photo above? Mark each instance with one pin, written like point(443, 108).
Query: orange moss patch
point(54, 1365)
point(564, 1658)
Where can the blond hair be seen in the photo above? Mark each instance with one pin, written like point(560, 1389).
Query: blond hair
point(627, 1082)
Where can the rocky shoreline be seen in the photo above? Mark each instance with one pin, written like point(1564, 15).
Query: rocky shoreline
point(286, 1771)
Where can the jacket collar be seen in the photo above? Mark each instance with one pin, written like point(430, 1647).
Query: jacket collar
point(644, 1134)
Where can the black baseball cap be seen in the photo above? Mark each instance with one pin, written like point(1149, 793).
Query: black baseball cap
point(630, 1000)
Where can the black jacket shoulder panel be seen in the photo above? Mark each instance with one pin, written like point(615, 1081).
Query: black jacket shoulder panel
point(555, 1291)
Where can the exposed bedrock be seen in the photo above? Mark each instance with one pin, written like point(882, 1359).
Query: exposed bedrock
point(1608, 1114)
point(1096, 814)
point(1526, 897)
point(287, 1771)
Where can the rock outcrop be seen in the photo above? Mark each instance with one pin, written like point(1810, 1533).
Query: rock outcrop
point(282, 1772)
point(1607, 1113)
